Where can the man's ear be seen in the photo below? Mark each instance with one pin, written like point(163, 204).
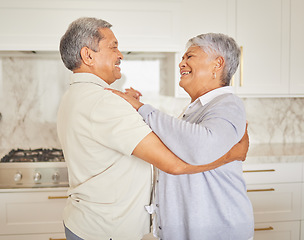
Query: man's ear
point(87, 56)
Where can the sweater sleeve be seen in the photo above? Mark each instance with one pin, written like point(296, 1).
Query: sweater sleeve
point(203, 141)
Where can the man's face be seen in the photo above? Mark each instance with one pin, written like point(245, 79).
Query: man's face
point(107, 59)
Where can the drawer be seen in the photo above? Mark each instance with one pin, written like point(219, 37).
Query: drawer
point(49, 236)
point(302, 230)
point(277, 231)
point(275, 202)
point(272, 173)
point(302, 207)
point(303, 171)
point(32, 212)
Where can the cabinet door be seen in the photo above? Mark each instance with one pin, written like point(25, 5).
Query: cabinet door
point(138, 25)
point(205, 16)
point(275, 202)
point(302, 207)
point(262, 29)
point(277, 231)
point(297, 47)
point(272, 173)
point(31, 212)
point(302, 230)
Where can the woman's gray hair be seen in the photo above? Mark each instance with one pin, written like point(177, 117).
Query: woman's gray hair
point(83, 32)
point(218, 44)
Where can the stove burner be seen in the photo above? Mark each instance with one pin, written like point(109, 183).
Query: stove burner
point(34, 155)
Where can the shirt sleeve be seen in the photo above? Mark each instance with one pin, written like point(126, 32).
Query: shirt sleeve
point(201, 142)
point(117, 125)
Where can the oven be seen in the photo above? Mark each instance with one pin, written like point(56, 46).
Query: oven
point(33, 188)
point(37, 168)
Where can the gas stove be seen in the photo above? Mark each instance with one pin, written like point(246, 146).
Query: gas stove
point(35, 155)
point(33, 168)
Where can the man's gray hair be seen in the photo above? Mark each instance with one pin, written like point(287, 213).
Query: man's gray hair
point(83, 32)
point(218, 44)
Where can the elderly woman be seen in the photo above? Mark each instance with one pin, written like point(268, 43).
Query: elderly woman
point(211, 205)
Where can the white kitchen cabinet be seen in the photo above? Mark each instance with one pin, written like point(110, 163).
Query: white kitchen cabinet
point(296, 47)
point(270, 36)
point(32, 214)
point(205, 16)
point(302, 230)
point(262, 29)
point(275, 202)
point(277, 231)
point(201, 18)
point(302, 218)
point(269, 31)
point(303, 196)
point(272, 173)
point(139, 25)
point(275, 190)
point(49, 236)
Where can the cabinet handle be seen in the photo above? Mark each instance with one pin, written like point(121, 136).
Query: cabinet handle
point(232, 81)
point(261, 190)
point(264, 229)
point(264, 170)
point(57, 197)
point(241, 67)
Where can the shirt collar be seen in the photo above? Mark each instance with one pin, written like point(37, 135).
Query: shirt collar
point(88, 78)
point(209, 96)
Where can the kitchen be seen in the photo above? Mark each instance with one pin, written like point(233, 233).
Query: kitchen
point(33, 79)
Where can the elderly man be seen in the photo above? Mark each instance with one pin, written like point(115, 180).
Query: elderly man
point(107, 146)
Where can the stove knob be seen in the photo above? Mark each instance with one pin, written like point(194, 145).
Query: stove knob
point(37, 176)
point(56, 177)
point(17, 177)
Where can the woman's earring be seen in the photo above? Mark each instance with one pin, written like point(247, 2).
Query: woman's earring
point(214, 75)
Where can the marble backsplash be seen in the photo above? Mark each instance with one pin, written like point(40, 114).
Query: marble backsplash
point(31, 87)
point(30, 90)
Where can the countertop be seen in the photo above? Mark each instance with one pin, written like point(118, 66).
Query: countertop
point(261, 153)
point(275, 153)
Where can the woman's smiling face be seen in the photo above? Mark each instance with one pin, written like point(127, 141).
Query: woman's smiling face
point(196, 71)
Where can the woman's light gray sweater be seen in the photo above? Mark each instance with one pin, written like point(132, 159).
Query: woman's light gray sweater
point(212, 205)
